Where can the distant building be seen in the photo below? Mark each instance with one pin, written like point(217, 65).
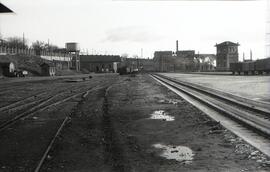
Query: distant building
point(7, 68)
point(164, 61)
point(227, 52)
point(185, 60)
point(168, 61)
point(205, 62)
point(48, 69)
point(99, 63)
point(140, 64)
point(146, 65)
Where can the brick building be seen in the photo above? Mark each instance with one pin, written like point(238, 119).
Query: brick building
point(140, 64)
point(99, 63)
point(185, 60)
point(227, 52)
point(164, 61)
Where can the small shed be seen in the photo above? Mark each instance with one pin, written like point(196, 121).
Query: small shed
point(7, 68)
point(48, 69)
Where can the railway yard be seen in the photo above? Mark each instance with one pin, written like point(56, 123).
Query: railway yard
point(163, 122)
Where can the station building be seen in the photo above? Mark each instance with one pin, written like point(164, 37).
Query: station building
point(227, 52)
point(99, 63)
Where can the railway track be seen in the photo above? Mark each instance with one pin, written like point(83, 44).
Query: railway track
point(250, 114)
point(50, 145)
point(35, 121)
point(43, 104)
point(40, 97)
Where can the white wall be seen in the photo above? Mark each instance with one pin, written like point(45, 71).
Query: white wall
point(56, 58)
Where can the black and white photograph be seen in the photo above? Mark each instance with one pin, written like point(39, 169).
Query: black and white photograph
point(134, 85)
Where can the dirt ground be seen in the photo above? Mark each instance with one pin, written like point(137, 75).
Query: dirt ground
point(114, 129)
point(43, 103)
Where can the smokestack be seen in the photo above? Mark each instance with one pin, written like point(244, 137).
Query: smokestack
point(243, 57)
point(176, 46)
point(251, 55)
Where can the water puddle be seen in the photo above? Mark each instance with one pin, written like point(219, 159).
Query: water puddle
point(179, 153)
point(170, 101)
point(162, 101)
point(256, 98)
point(173, 102)
point(162, 115)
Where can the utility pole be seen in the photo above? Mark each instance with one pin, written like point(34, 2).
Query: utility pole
point(49, 46)
point(250, 54)
point(23, 41)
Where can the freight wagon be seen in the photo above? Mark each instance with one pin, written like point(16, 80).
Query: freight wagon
point(252, 67)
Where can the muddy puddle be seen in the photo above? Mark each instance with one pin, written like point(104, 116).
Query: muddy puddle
point(182, 154)
point(161, 115)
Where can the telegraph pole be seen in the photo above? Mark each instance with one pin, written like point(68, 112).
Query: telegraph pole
point(23, 41)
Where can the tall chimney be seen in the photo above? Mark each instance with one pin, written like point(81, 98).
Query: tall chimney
point(251, 55)
point(176, 46)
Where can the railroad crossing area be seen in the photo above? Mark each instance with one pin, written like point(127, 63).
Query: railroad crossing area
point(160, 122)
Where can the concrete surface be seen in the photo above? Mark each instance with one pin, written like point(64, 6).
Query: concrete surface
point(253, 87)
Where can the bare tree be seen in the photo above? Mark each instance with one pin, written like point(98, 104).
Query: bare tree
point(135, 56)
point(16, 42)
point(38, 46)
point(51, 48)
point(124, 55)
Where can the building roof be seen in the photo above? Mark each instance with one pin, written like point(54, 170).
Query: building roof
point(5, 63)
point(205, 55)
point(100, 58)
point(4, 9)
point(227, 43)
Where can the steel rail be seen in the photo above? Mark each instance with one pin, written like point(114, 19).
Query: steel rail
point(259, 107)
point(41, 107)
point(45, 154)
point(24, 104)
point(49, 147)
point(229, 108)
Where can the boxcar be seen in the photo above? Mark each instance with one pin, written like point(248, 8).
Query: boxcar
point(260, 66)
point(236, 67)
point(248, 67)
point(266, 63)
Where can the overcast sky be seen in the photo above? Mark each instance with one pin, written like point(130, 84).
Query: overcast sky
point(118, 27)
